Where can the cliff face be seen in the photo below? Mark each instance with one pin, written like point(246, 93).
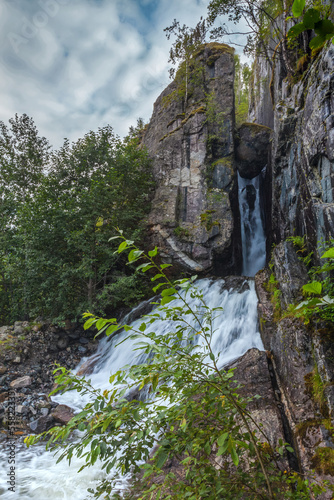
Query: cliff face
point(302, 150)
point(192, 146)
point(299, 202)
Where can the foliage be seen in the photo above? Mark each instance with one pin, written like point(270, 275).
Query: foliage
point(57, 213)
point(186, 71)
point(299, 242)
point(259, 16)
point(320, 294)
point(24, 159)
point(312, 19)
point(241, 89)
point(193, 416)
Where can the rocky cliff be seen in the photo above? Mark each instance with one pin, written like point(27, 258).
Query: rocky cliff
point(299, 202)
point(191, 139)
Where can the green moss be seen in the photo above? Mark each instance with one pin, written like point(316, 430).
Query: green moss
point(275, 293)
point(227, 162)
point(316, 388)
point(215, 47)
point(201, 109)
point(207, 219)
point(303, 427)
point(323, 461)
point(255, 128)
point(181, 232)
point(194, 112)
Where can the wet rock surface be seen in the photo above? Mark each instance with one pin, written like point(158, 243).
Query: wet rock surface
point(28, 356)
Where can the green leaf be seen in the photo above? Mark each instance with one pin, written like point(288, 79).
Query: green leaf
point(161, 460)
point(314, 287)
point(324, 27)
point(166, 300)
point(156, 277)
point(168, 291)
point(144, 267)
point(222, 449)
point(311, 17)
point(134, 255)
point(101, 323)
point(164, 266)
point(317, 42)
point(118, 423)
point(298, 7)
point(221, 440)
point(122, 247)
point(291, 450)
point(89, 323)
point(112, 329)
point(234, 456)
point(296, 30)
point(153, 253)
point(329, 254)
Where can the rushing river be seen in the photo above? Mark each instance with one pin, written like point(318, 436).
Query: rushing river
point(38, 477)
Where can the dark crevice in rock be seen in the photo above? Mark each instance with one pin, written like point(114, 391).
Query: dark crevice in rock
point(288, 434)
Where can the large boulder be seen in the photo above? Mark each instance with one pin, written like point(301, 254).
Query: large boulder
point(62, 414)
point(252, 150)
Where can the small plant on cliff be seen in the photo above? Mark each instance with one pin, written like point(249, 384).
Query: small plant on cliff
point(193, 417)
point(319, 301)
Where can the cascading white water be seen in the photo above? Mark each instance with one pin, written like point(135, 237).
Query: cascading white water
point(252, 231)
point(40, 478)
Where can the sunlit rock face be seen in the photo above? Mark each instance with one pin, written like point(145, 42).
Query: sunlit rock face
point(192, 146)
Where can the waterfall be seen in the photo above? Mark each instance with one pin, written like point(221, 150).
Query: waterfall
point(252, 230)
point(38, 477)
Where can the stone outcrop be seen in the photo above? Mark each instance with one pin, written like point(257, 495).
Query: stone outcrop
point(192, 146)
point(252, 149)
point(302, 361)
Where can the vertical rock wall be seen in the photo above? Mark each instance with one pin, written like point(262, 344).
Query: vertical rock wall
point(192, 147)
point(299, 202)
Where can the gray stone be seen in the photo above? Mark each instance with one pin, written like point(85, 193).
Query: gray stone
point(62, 343)
point(62, 414)
point(21, 382)
point(191, 219)
point(41, 424)
point(252, 151)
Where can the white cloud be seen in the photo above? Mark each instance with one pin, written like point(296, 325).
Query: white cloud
point(76, 65)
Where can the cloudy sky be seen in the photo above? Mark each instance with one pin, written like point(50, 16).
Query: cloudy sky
point(76, 65)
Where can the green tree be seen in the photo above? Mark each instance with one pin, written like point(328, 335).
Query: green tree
point(241, 89)
point(95, 184)
point(23, 163)
point(54, 251)
point(187, 41)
